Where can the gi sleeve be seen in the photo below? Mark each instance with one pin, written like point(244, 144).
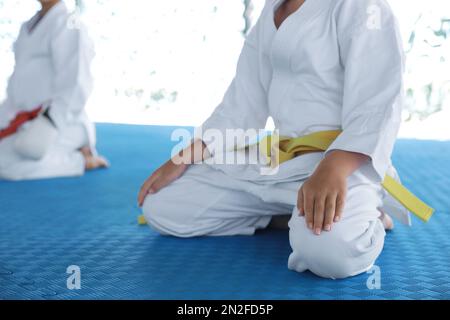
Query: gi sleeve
point(7, 108)
point(244, 105)
point(72, 54)
point(372, 56)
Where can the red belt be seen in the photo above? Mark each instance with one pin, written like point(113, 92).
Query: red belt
point(19, 120)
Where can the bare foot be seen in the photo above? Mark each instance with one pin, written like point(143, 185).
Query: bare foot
point(387, 221)
point(93, 162)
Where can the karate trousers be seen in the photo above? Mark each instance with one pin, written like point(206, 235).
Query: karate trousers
point(207, 202)
point(63, 159)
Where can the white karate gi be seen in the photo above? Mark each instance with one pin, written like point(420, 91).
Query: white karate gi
point(52, 63)
point(331, 65)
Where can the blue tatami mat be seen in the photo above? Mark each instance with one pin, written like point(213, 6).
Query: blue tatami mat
point(46, 226)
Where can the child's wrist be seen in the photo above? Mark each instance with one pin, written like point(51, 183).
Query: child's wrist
point(343, 163)
point(334, 169)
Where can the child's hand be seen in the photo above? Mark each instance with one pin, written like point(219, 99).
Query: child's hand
point(173, 169)
point(321, 198)
point(162, 177)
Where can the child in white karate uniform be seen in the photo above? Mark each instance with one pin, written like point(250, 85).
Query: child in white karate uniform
point(312, 66)
point(44, 129)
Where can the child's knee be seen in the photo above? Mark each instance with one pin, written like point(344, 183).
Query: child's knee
point(34, 142)
point(166, 215)
point(333, 254)
point(152, 209)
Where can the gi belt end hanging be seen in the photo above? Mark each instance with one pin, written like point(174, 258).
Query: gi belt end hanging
point(411, 202)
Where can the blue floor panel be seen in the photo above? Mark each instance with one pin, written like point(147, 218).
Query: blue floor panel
point(45, 226)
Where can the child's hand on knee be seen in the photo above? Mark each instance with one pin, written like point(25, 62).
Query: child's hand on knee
point(162, 177)
point(321, 198)
point(173, 169)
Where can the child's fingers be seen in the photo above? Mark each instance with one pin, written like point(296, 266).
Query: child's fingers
point(159, 184)
point(330, 211)
point(309, 209)
point(141, 195)
point(140, 198)
point(319, 208)
point(165, 180)
point(300, 205)
point(340, 201)
point(145, 189)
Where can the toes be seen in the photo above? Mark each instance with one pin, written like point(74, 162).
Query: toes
point(96, 163)
point(387, 221)
point(103, 163)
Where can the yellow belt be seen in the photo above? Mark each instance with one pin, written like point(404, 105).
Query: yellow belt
point(288, 148)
